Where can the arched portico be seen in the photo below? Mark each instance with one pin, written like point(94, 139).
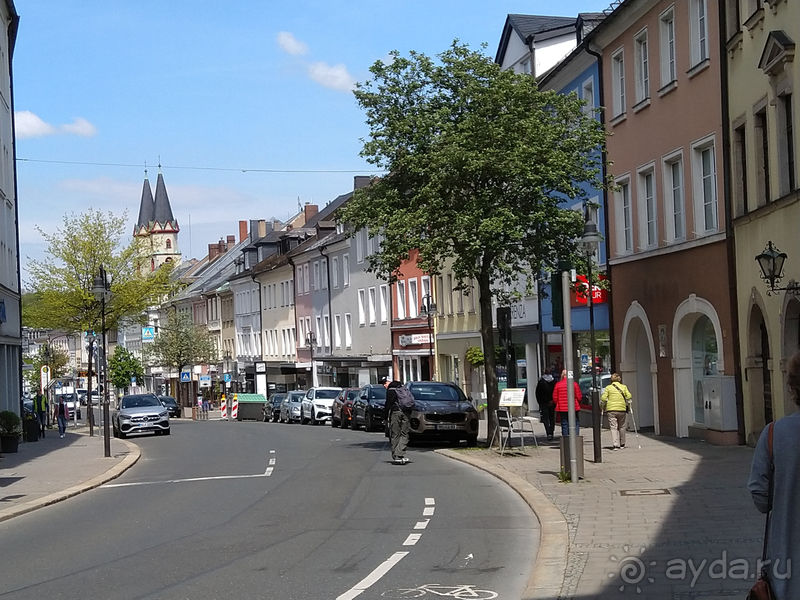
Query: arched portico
point(638, 366)
point(697, 352)
point(758, 368)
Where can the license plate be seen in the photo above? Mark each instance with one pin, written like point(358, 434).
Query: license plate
point(446, 426)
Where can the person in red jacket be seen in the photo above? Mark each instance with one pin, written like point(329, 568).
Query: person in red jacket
point(561, 398)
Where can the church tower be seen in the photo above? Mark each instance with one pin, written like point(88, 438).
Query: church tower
point(156, 226)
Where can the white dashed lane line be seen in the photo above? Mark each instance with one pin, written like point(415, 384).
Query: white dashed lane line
point(373, 577)
point(412, 539)
point(422, 524)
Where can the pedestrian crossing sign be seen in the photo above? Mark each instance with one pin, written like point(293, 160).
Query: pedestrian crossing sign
point(186, 377)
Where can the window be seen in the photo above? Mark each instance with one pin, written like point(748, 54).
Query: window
point(704, 175)
point(317, 286)
point(618, 82)
point(786, 142)
point(426, 287)
point(460, 301)
point(299, 278)
point(413, 298)
point(362, 314)
point(401, 299)
point(337, 331)
point(384, 303)
point(169, 244)
point(335, 272)
point(699, 31)
point(318, 332)
point(740, 169)
point(346, 270)
point(360, 243)
point(348, 331)
point(472, 294)
point(306, 279)
point(642, 67)
point(668, 70)
point(372, 306)
point(762, 155)
point(324, 273)
point(587, 95)
point(673, 192)
point(449, 294)
point(647, 207)
point(326, 324)
point(623, 196)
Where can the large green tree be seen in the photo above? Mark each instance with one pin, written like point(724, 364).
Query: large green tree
point(481, 165)
point(62, 282)
point(181, 344)
point(122, 367)
point(54, 356)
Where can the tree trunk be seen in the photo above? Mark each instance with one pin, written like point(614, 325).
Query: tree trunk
point(487, 336)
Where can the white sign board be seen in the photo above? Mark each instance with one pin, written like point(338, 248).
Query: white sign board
point(205, 381)
point(512, 397)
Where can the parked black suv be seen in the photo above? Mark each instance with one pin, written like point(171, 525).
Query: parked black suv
point(172, 406)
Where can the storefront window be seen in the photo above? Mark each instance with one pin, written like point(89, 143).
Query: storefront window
point(704, 362)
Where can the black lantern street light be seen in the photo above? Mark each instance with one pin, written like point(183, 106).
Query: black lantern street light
point(91, 338)
point(428, 308)
point(311, 341)
point(771, 262)
point(102, 291)
point(590, 242)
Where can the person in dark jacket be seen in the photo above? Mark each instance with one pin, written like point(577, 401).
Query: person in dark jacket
point(399, 422)
point(547, 408)
point(40, 409)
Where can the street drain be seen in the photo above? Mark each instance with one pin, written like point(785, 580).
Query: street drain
point(656, 492)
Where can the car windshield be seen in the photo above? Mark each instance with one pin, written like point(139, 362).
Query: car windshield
point(378, 393)
point(423, 391)
point(296, 396)
point(138, 401)
point(169, 400)
point(326, 393)
point(352, 394)
point(278, 398)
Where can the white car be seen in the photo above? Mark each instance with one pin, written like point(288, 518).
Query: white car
point(317, 406)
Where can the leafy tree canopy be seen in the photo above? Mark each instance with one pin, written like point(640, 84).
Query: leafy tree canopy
point(57, 361)
point(180, 344)
point(122, 366)
point(481, 166)
point(62, 282)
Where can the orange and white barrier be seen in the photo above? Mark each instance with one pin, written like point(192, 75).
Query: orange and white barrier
point(224, 407)
point(235, 408)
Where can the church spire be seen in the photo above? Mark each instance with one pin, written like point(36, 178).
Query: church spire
point(146, 209)
point(162, 210)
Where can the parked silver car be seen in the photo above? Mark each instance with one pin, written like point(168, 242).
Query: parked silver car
point(290, 406)
point(140, 413)
point(317, 405)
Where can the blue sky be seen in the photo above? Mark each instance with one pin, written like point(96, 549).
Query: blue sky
point(219, 87)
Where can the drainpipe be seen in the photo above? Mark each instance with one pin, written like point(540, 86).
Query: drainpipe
point(730, 245)
point(606, 233)
point(330, 306)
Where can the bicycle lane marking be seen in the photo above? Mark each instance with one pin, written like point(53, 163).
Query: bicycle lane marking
point(373, 577)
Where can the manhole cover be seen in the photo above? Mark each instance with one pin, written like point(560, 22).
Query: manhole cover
point(656, 492)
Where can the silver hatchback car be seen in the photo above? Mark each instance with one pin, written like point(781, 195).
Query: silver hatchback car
point(140, 413)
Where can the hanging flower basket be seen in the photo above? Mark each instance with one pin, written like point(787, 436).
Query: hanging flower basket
point(474, 356)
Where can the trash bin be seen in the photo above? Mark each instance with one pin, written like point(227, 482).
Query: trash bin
point(565, 456)
point(250, 407)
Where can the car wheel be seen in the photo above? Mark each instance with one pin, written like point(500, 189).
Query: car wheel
point(370, 426)
point(122, 435)
point(472, 441)
point(353, 421)
point(114, 431)
point(165, 432)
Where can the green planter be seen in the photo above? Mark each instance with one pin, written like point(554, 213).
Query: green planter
point(9, 443)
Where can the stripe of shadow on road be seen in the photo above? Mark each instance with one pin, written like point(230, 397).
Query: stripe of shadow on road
point(547, 577)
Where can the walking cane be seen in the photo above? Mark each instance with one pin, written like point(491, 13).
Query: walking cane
point(634, 426)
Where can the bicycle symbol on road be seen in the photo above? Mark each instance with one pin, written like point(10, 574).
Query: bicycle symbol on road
point(435, 589)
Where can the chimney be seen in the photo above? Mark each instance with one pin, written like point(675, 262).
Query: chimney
point(262, 229)
point(361, 181)
point(242, 231)
point(309, 210)
point(231, 241)
point(213, 252)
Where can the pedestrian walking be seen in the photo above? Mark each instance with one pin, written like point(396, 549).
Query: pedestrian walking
point(398, 415)
point(775, 486)
point(616, 402)
point(61, 416)
point(561, 398)
point(547, 408)
point(40, 407)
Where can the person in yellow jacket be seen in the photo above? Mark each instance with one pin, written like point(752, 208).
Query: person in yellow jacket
point(615, 401)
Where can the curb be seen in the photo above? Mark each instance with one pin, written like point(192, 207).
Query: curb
point(118, 469)
point(547, 578)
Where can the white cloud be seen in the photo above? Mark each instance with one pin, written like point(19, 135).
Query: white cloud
point(30, 125)
point(290, 44)
point(335, 77)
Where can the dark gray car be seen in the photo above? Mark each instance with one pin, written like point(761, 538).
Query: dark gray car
point(140, 413)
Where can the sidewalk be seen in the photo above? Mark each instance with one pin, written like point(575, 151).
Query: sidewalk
point(54, 469)
point(673, 519)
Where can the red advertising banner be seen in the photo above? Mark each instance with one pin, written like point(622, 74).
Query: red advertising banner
point(579, 295)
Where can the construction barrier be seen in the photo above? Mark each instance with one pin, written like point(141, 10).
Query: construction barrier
point(235, 408)
point(224, 408)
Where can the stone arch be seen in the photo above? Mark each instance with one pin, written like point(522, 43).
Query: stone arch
point(638, 366)
point(790, 343)
point(758, 364)
point(686, 316)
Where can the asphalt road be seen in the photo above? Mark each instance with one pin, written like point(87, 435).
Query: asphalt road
point(269, 510)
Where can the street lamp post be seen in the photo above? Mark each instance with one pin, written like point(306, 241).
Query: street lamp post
point(91, 338)
point(311, 340)
point(101, 290)
point(590, 241)
point(771, 263)
point(428, 309)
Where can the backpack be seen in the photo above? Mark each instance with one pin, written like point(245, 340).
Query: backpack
point(405, 400)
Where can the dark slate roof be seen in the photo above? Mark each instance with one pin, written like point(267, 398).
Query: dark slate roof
point(528, 25)
point(146, 208)
point(326, 213)
point(163, 211)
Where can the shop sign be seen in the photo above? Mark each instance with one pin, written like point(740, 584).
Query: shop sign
point(415, 339)
point(580, 294)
